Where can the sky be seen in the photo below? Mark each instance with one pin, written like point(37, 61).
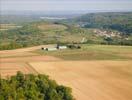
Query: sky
point(66, 5)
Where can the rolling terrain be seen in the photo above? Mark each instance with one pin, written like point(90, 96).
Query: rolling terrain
point(96, 28)
point(121, 21)
point(40, 33)
point(101, 69)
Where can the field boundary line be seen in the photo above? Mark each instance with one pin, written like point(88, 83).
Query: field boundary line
point(31, 68)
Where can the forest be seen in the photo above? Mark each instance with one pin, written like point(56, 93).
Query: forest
point(121, 21)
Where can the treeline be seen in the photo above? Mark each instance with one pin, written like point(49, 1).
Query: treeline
point(111, 41)
point(32, 87)
point(126, 29)
point(12, 45)
point(121, 42)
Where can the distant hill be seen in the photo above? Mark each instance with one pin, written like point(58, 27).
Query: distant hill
point(17, 19)
point(31, 17)
point(37, 33)
point(94, 28)
point(121, 21)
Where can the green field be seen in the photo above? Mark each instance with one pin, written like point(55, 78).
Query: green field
point(92, 52)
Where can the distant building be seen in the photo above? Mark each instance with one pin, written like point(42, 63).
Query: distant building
point(61, 47)
point(58, 47)
point(50, 49)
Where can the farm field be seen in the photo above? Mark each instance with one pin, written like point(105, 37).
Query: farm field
point(8, 26)
point(94, 72)
point(91, 80)
point(21, 52)
point(8, 69)
point(9, 66)
point(12, 61)
point(62, 33)
point(92, 52)
point(51, 27)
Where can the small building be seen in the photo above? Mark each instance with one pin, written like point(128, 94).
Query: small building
point(54, 48)
point(50, 49)
point(61, 47)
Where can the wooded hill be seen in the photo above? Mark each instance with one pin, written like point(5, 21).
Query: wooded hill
point(121, 21)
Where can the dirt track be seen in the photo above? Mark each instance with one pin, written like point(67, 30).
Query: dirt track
point(92, 80)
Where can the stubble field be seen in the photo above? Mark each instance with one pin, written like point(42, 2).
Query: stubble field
point(94, 72)
point(91, 80)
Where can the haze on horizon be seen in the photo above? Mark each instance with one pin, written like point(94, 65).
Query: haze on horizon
point(78, 6)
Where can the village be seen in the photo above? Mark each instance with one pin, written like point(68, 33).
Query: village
point(106, 33)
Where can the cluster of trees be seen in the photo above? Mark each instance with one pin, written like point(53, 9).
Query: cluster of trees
point(32, 87)
point(12, 45)
point(110, 41)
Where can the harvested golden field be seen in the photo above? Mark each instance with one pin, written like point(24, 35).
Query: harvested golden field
point(21, 52)
point(10, 66)
point(29, 59)
point(91, 80)
point(9, 69)
point(12, 61)
point(96, 72)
